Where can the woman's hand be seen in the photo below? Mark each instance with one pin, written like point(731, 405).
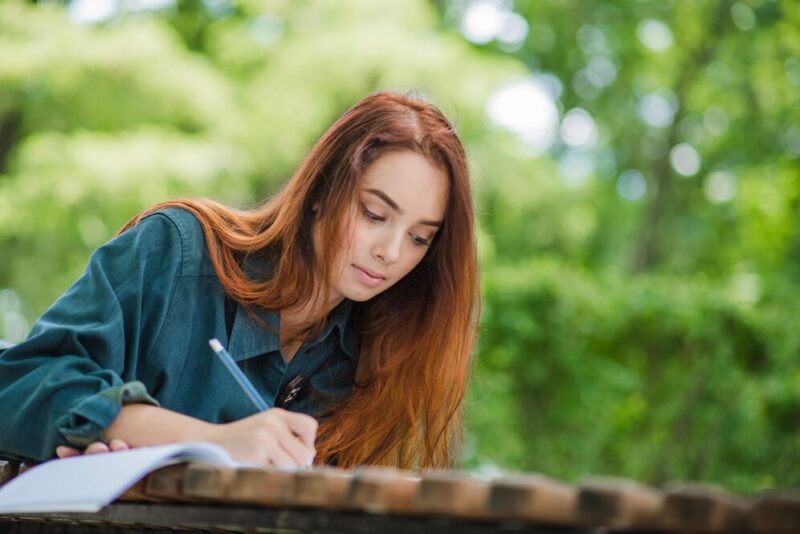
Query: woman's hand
point(273, 438)
point(98, 446)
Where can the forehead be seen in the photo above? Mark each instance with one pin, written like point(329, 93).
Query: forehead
point(419, 187)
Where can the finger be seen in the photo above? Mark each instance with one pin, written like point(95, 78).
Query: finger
point(118, 445)
point(96, 447)
point(301, 454)
point(66, 452)
point(303, 426)
point(280, 458)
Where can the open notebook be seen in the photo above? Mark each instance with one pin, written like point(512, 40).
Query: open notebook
point(90, 482)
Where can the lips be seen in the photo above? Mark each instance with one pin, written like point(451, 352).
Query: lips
point(370, 277)
point(373, 274)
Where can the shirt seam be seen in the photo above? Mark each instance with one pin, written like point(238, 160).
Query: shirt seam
point(174, 286)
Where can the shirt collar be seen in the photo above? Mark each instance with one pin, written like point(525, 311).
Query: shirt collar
point(339, 320)
point(250, 337)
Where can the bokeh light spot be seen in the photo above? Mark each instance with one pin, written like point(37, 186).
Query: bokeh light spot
point(601, 71)
point(685, 159)
point(792, 68)
point(591, 39)
point(720, 187)
point(482, 21)
point(654, 35)
point(526, 108)
point(791, 138)
point(631, 185)
point(92, 11)
point(658, 108)
point(578, 129)
point(513, 30)
point(743, 16)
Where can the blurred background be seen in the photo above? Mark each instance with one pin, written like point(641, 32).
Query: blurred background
point(637, 175)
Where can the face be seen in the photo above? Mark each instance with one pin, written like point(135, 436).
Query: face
point(401, 203)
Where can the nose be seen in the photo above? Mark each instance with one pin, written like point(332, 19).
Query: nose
point(387, 249)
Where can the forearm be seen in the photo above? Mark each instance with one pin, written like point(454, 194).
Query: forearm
point(273, 437)
point(141, 425)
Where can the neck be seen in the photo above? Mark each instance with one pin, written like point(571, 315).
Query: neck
point(299, 318)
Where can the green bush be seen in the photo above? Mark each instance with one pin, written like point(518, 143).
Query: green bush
point(649, 377)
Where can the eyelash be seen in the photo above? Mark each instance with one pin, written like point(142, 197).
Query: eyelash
point(372, 217)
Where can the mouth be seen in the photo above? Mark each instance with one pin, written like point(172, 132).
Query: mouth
point(368, 276)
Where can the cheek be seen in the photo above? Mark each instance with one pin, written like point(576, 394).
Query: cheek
point(349, 243)
point(412, 258)
point(359, 237)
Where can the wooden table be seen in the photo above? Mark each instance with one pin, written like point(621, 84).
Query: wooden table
point(202, 497)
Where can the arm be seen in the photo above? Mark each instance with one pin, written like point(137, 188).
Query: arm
point(66, 383)
point(274, 437)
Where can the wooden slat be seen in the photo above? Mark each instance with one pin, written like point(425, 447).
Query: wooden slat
point(167, 483)
point(322, 486)
point(138, 492)
point(452, 494)
point(614, 503)
point(262, 486)
point(699, 508)
point(533, 497)
point(777, 512)
point(8, 470)
point(382, 490)
point(204, 481)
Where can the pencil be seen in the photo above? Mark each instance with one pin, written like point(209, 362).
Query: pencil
point(237, 373)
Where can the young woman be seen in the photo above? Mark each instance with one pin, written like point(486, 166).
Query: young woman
point(350, 301)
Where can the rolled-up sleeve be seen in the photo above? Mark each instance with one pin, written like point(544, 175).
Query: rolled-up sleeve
point(67, 382)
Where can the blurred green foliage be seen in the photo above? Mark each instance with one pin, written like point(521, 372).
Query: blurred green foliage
point(638, 318)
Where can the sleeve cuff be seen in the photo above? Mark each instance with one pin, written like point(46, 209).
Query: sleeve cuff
point(88, 420)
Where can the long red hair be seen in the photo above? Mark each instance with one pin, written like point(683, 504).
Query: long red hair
point(415, 338)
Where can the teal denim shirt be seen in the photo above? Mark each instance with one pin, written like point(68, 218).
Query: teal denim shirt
point(135, 329)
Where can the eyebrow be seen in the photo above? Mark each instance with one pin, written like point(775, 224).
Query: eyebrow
point(392, 204)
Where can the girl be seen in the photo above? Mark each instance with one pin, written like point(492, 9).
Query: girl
point(350, 300)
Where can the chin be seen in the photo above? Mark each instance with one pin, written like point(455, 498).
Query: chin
point(361, 296)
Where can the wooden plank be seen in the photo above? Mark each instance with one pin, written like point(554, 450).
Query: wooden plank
point(382, 490)
point(616, 503)
point(702, 508)
point(322, 486)
point(8, 470)
point(452, 494)
point(262, 486)
point(167, 483)
point(533, 497)
point(206, 481)
point(138, 493)
point(140, 517)
point(776, 511)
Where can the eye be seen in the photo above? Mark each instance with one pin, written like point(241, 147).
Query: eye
point(420, 241)
point(371, 216)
